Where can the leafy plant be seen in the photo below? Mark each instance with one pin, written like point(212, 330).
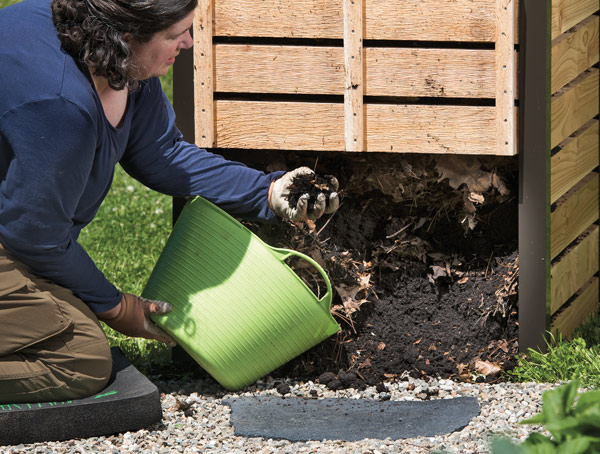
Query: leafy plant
point(562, 361)
point(574, 426)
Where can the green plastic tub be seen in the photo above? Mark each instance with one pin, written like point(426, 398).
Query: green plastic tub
point(238, 309)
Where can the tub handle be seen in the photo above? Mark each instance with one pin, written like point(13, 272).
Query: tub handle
point(283, 254)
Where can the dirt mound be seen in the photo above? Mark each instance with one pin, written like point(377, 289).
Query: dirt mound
point(425, 276)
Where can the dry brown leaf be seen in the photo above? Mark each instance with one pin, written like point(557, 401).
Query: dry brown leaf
point(461, 170)
point(381, 346)
point(487, 368)
point(463, 280)
point(438, 271)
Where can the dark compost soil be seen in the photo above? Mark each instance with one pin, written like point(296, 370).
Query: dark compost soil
point(416, 292)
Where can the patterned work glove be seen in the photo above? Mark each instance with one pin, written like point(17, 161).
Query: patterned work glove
point(280, 192)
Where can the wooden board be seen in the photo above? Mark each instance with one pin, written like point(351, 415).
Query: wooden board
point(457, 73)
point(204, 80)
point(583, 307)
point(423, 20)
point(354, 87)
point(574, 269)
point(576, 159)
point(573, 106)
point(320, 127)
point(574, 52)
point(505, 78)
point(568, 13)
point(280, 125)
point(574, 213)
point(431, 129)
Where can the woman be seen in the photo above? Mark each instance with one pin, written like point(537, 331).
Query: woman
point(79, 92)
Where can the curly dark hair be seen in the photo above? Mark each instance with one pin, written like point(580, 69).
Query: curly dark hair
point(92, 31)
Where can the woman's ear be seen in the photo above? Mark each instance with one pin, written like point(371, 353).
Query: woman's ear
point(127, 37)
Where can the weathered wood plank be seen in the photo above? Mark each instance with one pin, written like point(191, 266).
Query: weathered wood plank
point(574, 269)
point(583, 307)
point(458, 73)
point(204, 75)
point(577, 158)
point(320, 127)
point(568, 13)
point(505, 78)
point(573, 106)
point(431, 129)
point(354, 87)
point(574, 213)
point(574, 52)
point(280, 125)
point(424, 20)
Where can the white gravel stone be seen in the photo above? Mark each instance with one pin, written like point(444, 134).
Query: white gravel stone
point(208, 429)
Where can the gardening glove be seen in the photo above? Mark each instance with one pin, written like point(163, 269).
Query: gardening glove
point(134, 318)
point(280, 191)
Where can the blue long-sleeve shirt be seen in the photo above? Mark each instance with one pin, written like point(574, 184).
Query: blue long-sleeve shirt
point(58, 154)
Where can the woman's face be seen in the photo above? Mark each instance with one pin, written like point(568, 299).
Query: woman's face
point(153, 58)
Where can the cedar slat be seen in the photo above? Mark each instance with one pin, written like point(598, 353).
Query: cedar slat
point(280, 125)
point(573, 270)
point(505, 78)
point(354, 87)
point(458, 73)
point(574, 214)
point(320, 127)
point(574, 52)
point(204, 75)
point(577, 158)
point(424, 20)
point(431, 129)
point(573, 106)
point(568, 13)
point(583, 307)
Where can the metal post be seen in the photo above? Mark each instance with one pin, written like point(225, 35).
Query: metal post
point(183, 103)
point(534, 172)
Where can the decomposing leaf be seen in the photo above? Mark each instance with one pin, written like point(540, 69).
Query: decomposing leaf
point(487, 368)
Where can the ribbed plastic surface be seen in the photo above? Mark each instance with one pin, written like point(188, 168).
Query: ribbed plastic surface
point(238, 309)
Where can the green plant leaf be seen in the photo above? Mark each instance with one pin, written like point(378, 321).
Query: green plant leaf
point(588, 402)
point(536, 443)
point(565, 428)
point(505, 446)
point(557, 406)
point(578, 445)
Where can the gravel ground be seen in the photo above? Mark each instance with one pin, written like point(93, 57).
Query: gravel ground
point(194, 420)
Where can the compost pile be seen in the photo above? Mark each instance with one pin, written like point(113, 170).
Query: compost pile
point(422, 255)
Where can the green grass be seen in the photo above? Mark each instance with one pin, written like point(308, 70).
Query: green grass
point(4, 3)
point(563, 361)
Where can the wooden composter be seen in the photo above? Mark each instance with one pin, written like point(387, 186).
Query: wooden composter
point(470, 77)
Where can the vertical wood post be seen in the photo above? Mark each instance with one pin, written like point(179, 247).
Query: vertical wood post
point(354, 129)
point(204, 74)
point(505, 77)
point(534, 172)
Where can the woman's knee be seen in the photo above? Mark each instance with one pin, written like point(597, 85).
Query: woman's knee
point(87, 371)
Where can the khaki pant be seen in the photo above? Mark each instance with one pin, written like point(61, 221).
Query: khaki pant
point(52, 347)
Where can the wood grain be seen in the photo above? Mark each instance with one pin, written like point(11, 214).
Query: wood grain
point(574, 269)
point(576, 159)
point(575, 212)
point(573, 106)
point(574, 52)
point(582, 308)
